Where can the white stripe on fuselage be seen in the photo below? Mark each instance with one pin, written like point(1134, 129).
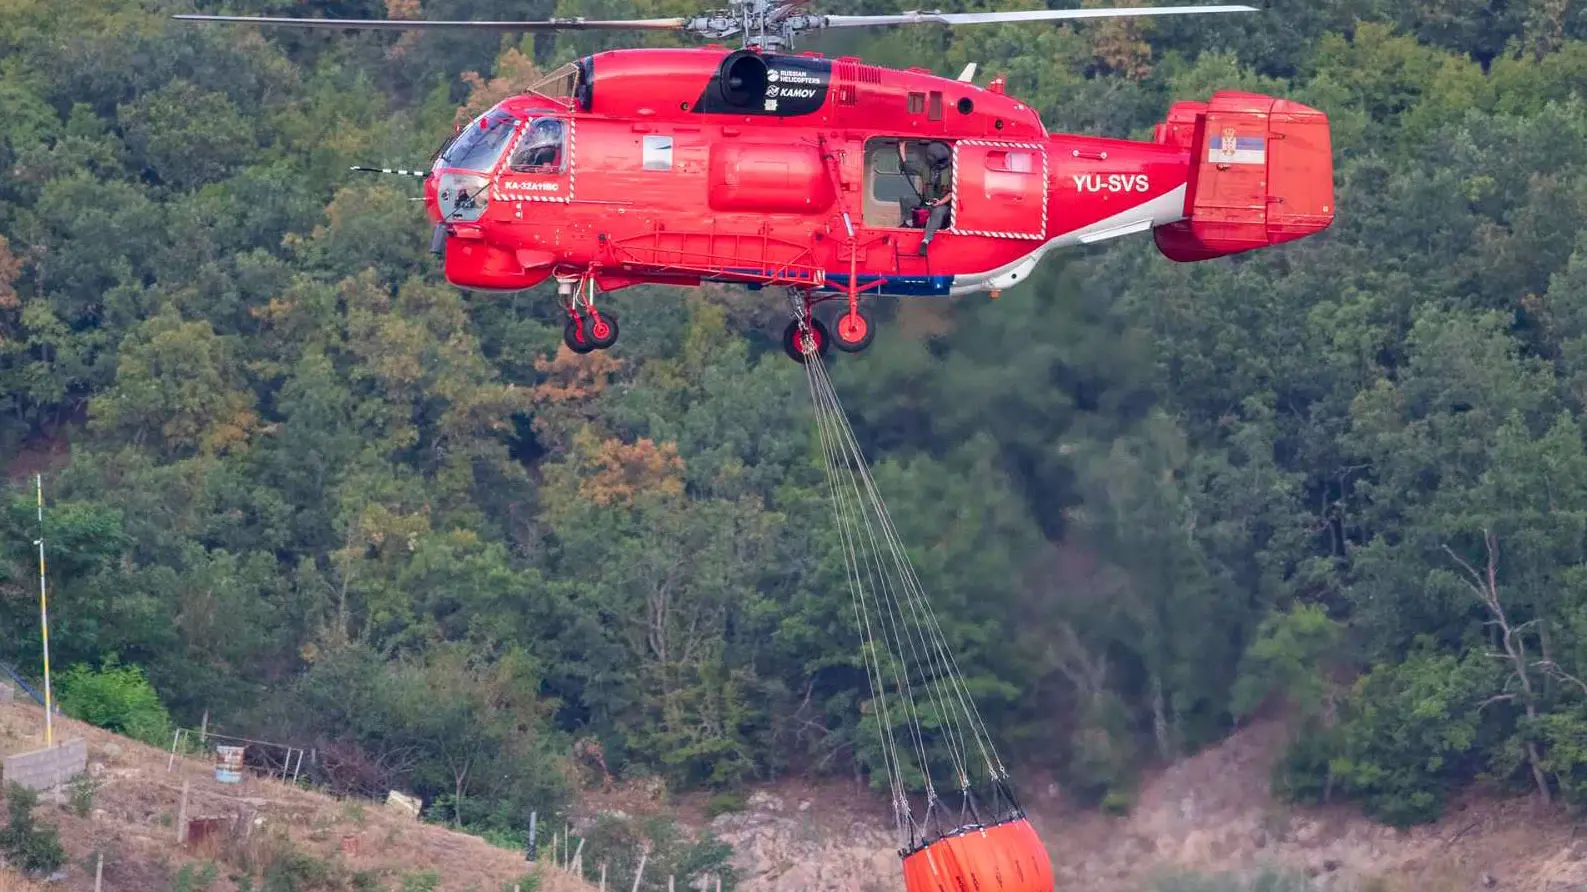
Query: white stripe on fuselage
point(1160, 211)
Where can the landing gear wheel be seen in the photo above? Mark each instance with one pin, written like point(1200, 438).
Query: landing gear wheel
point(601, 330)
point(792, 340)
point(853, 332)
point(574, 334)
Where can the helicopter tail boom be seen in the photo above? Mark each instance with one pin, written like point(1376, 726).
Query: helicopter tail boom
point(1261, 174)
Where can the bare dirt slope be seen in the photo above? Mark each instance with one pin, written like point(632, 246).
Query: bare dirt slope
point(1208, 814)
point(15, 882)
point(132, 817)
point(1213, 813)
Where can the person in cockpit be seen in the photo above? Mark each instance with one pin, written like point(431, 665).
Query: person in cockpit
point(541, 148)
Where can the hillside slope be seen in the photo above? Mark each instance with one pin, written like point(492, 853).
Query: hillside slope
point(136, 798)
point(1207, 814)
point(1213, 812)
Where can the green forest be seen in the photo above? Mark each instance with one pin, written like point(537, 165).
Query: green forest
point(298, 483)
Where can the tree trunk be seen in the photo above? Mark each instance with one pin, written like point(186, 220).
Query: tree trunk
point(1486, 587)
point(1536, 759)
point(1160, 718)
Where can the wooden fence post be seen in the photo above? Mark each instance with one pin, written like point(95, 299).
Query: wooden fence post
point(643, 854)
point(181, 816)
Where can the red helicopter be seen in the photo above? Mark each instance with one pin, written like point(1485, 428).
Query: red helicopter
point(832, 178)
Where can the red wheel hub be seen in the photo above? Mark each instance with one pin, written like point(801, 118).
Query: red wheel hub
point(852, 327)
point(600, 329)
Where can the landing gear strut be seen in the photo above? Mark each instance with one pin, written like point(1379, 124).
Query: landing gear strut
point(853, 331)
point(587, 328)
point(806, 335)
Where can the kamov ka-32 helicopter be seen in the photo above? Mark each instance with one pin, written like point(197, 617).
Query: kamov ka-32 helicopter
point(832, 177)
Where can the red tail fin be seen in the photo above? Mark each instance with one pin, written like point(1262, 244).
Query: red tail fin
point(1261, 174)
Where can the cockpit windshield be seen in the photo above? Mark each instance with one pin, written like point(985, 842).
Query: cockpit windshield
point(480, 145)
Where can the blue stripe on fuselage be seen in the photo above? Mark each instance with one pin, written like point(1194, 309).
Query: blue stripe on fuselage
point(900, 286)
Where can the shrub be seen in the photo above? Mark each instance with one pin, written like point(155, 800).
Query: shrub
point(83, 788)
point(724, 803)
point(35, 848)
point(116, 697)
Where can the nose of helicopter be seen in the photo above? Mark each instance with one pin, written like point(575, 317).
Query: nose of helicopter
point(432, 201)
point(460, 196)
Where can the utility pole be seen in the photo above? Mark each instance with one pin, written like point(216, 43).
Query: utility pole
point(44, 625)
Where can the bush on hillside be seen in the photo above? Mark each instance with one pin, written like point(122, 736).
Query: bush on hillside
point(119, 698)
point(33, 847)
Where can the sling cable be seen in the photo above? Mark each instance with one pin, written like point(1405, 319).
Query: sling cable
point(929, 726)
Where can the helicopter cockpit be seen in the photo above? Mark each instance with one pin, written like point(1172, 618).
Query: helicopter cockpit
point(542, 148)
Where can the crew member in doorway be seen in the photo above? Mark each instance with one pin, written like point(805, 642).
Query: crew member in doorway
point(930, 180)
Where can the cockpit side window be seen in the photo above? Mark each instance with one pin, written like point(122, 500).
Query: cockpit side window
point(481, 143)
point(542, 148)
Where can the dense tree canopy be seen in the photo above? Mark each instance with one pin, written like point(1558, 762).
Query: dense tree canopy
point(322, 495)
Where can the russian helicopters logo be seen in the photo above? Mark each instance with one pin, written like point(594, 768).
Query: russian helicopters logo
point(791, 85)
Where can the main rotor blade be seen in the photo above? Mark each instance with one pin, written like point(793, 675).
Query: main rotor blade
point(572, 24)
point(1020, 15)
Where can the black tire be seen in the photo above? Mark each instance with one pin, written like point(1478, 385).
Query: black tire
point(817, 328)
point(844, 339)
point(575, 336)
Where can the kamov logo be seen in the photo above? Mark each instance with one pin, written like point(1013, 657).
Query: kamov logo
point(791, 85)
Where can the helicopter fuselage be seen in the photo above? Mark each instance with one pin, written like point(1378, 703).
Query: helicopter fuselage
point(681, 166)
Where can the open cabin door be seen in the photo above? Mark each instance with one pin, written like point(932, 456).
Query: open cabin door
point(1000, 189)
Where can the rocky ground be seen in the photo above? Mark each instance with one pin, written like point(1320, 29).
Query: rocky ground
point(1213, 813)
point(793, 844)
point(1207, 814)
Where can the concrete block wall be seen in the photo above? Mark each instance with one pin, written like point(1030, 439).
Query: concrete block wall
point(46, 768)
